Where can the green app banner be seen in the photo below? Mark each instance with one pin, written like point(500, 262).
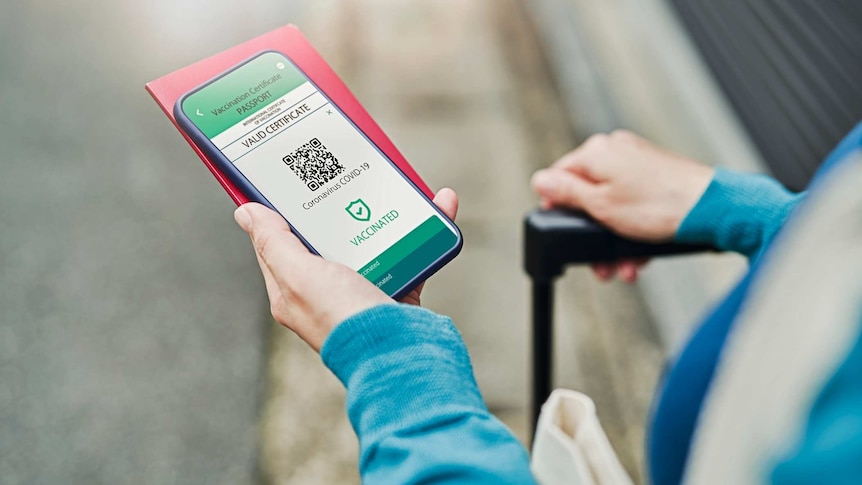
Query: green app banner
point(241, 93)
point(396, 266)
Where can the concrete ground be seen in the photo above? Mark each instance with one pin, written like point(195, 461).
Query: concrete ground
point(133, 323)
point(135, 344)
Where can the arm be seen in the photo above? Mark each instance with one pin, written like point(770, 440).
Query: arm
point(739, 212)
point(645, 193)
point(414, 403)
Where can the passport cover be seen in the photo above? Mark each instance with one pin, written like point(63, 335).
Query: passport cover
point(288, 40)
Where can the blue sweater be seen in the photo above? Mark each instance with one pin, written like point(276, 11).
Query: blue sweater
point(419, 416)
point(737, 213)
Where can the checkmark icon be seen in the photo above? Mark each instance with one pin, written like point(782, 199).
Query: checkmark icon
point(359, 210)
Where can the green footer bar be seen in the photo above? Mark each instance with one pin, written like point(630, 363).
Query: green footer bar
point(414, 252)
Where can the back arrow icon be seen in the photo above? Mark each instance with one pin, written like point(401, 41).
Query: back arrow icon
point(199, 112)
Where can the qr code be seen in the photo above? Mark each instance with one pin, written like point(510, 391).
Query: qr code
point(313, 164)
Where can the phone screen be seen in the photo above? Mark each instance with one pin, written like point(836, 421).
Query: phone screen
point(334, 186)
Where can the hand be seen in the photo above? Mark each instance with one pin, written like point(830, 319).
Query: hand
point(627, 184)
point(308, 294)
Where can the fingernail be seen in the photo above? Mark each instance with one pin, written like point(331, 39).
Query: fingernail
point(243, 218)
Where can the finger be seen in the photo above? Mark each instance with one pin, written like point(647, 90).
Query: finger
point(447, 200)
point(604, 271)
point(584, 160)
point(272, 288)
point(628, 271)
point(574, 159)
point(563, 188)
point(279, 249)
point(414, 297)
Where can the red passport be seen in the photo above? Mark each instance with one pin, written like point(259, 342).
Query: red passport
point(288, 40)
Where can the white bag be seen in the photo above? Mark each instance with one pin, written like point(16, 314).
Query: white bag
point(570, 447)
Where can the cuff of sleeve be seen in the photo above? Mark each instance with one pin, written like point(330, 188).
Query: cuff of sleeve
point(403, 366)
point(382, 330)
point(738, 212)
point(399, 353)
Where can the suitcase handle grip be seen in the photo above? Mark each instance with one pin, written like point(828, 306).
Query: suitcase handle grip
point(556, 238)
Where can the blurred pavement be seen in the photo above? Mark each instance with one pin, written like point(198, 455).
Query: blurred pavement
point(135, 341)
point(133, 323)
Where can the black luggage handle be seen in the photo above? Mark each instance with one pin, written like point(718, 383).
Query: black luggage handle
point(554, 239)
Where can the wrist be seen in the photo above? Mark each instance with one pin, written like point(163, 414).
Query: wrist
point(692, 183)
point(738, 212)
point(313, 309)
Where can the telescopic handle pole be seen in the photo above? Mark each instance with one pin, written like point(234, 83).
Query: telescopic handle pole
point(554, 239)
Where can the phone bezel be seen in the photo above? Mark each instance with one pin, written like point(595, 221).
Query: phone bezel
point(253, 194)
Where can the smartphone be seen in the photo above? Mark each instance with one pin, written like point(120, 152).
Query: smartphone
point(286, 145)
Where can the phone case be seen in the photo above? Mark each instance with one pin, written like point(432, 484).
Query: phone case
point(167, 89)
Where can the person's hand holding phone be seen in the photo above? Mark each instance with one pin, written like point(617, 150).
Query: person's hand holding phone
point(308, 294)
point(629, 185)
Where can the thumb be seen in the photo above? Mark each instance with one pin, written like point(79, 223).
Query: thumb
point(273, 240)
point(563, 188)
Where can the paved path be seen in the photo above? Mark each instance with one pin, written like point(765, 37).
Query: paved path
point(135, 344)
point(132, 318)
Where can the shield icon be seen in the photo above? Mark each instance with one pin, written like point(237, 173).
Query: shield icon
point(359, 210)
